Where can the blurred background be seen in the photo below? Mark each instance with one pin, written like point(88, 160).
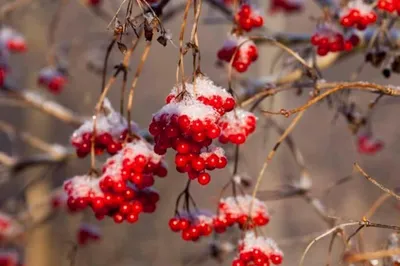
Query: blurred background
point(328, 147)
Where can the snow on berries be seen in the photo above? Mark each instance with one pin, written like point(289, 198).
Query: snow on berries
point(205, 91)
point(192, 226)
point(236, 126)
point(137, 163)
point(246, 52)
point(88, 233)
point(328, 38)
point(257, 250)
point(244, 211)
point(12, 41)
point(126, 204)
point(357, 14)
point(248, 18)
point(111, 132)
point(52, 79)
point(82, 191)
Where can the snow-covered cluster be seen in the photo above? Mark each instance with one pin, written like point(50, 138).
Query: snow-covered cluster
point(257, 250)
point(242, 210)
point(236, 126)
point(246, 52)
point(53, 79)
point(357, 14)
point(111, 131)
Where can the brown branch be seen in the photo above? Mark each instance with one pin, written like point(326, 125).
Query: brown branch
point(359, 257)
point(376, 183)
point(37, 101)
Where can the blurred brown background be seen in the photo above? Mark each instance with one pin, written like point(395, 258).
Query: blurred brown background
point(328, 148)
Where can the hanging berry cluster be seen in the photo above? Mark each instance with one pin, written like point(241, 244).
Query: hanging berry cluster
point(10, 42)
point(84, 191)
point(248, 18)
point(246, 52)
point(52, 79)
point(328, 38)
point(124, 189)
point(389, 5)
point(241, 210)
point(10, 257)
point(257, 250)
point(111, 132)
point(192, 225)
point(237, 126)
point(188, 123)
point(357, 14)
point(366, 144)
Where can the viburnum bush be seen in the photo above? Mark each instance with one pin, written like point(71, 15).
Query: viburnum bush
point(205, 131)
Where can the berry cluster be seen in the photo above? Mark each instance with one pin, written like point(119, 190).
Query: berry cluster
point(10, 258)
point(243, 49)
point(257, 250)
point(87, 233)
point(287, 6)
point(111, 132)
point(242, 210)
point(367, 145)
point(12, 41)
point(52, 78)
point(189, 123)
point(329, 39)
point(247, 18)
point(84, 191)
point(357, 14)
point(9, 227)
point(192, 226)
point(136, 163)
point(123, 191)
point(389, 5)
point(236, 126)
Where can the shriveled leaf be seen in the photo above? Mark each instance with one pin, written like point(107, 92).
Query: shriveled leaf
point(162, 40)
point(122, 47)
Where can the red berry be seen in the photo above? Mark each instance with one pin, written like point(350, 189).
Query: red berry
point(181, 160)
point(257, 21)
point(132, 217)
point(184, 122)
point(174, 224)
point(118, 218)
point(276, 259)
point(240, 67)
point(198, 164)
point(203, 179)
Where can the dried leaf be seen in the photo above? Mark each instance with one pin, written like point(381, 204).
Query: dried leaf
point(148, 34)
point(162, 40)
point(122, 47)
